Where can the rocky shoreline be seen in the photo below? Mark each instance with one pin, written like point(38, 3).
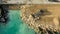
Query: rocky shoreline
point(41, 20)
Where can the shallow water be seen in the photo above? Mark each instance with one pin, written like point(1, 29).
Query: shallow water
point(15, 25)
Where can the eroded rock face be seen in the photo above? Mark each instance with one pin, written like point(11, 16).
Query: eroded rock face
point(40, 19)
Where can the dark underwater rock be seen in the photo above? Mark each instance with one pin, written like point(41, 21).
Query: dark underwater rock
point(4, 13)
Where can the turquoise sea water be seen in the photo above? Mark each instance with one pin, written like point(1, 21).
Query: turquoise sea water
point(15, 25)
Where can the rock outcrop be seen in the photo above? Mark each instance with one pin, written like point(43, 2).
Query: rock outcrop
point(40, 19)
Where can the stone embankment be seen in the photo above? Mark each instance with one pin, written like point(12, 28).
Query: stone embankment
point(40, 19)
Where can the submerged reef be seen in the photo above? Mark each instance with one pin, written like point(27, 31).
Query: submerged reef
point(40, 19)
point(3, 13)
